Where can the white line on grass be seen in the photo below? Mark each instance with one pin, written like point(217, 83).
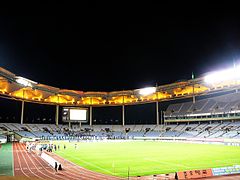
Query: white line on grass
point(167, 163)
point(91, 164)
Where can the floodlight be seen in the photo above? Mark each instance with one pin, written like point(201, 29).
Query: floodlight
point(224, 75)
point(25, 82)
point(147, 91)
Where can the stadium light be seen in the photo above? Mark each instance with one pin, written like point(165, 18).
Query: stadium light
point(25, 82)
point(224, 75)
point(147, 91)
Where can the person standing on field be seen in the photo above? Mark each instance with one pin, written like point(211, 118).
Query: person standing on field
point(56, 167)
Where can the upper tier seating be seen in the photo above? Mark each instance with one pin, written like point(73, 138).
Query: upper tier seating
point(215, 105)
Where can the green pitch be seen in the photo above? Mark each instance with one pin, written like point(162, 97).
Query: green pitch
point(147, 157)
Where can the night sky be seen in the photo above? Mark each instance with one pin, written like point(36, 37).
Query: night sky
point(102, 46)
point(105, 46)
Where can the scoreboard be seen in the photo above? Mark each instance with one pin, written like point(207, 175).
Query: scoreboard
point(75, 114)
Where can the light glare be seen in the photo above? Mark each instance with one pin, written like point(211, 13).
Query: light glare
point(147, 91)
point(224, 75)
point(24, 81)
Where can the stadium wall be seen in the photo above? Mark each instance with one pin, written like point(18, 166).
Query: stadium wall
point(220, 141)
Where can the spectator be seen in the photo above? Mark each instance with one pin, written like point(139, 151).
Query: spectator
point(56, 167)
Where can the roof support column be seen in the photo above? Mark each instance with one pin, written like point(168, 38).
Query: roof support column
point(22, 112)
point(69, 125)
point(80, 125)
point(123, 115)
point(194, 99)
point(90, 115)
point(193, 93)
point(56, 115)
point(163, 118)
point(157, 113)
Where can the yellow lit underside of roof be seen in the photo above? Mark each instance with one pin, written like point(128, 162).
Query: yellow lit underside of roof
point(4, 86)
point(189, 90)
point(59, 98)
point(47, 94)
point(91, 101)
point(28, 93)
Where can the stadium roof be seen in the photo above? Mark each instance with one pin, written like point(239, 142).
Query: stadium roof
point(28, 90)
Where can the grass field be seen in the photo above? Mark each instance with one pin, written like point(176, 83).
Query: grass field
point(147, 157)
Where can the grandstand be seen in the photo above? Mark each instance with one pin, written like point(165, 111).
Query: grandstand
point(215, 108)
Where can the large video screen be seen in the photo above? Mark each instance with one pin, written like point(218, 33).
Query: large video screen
point(78, 114)
point(74, 114)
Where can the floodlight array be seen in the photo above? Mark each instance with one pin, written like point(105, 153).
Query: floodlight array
point(222, 76)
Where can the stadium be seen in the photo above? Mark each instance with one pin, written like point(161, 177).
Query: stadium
point(195, 132)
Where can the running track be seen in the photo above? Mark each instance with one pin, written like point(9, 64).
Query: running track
point(31, 166)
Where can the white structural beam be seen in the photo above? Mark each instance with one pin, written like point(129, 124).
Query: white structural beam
point(90, 115)
point(56, 114)
point(22, 112)
point(123, 115)
point(157, 113)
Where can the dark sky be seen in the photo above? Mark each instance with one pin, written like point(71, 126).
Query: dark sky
point(105, 47)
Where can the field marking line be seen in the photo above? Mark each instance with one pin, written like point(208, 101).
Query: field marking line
point(167, 163)
point(171, 164)
point(204, 166)
point(195, 167)
point(68, 175)
point(225, 160)
point(90, 172)
point(91, 164)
